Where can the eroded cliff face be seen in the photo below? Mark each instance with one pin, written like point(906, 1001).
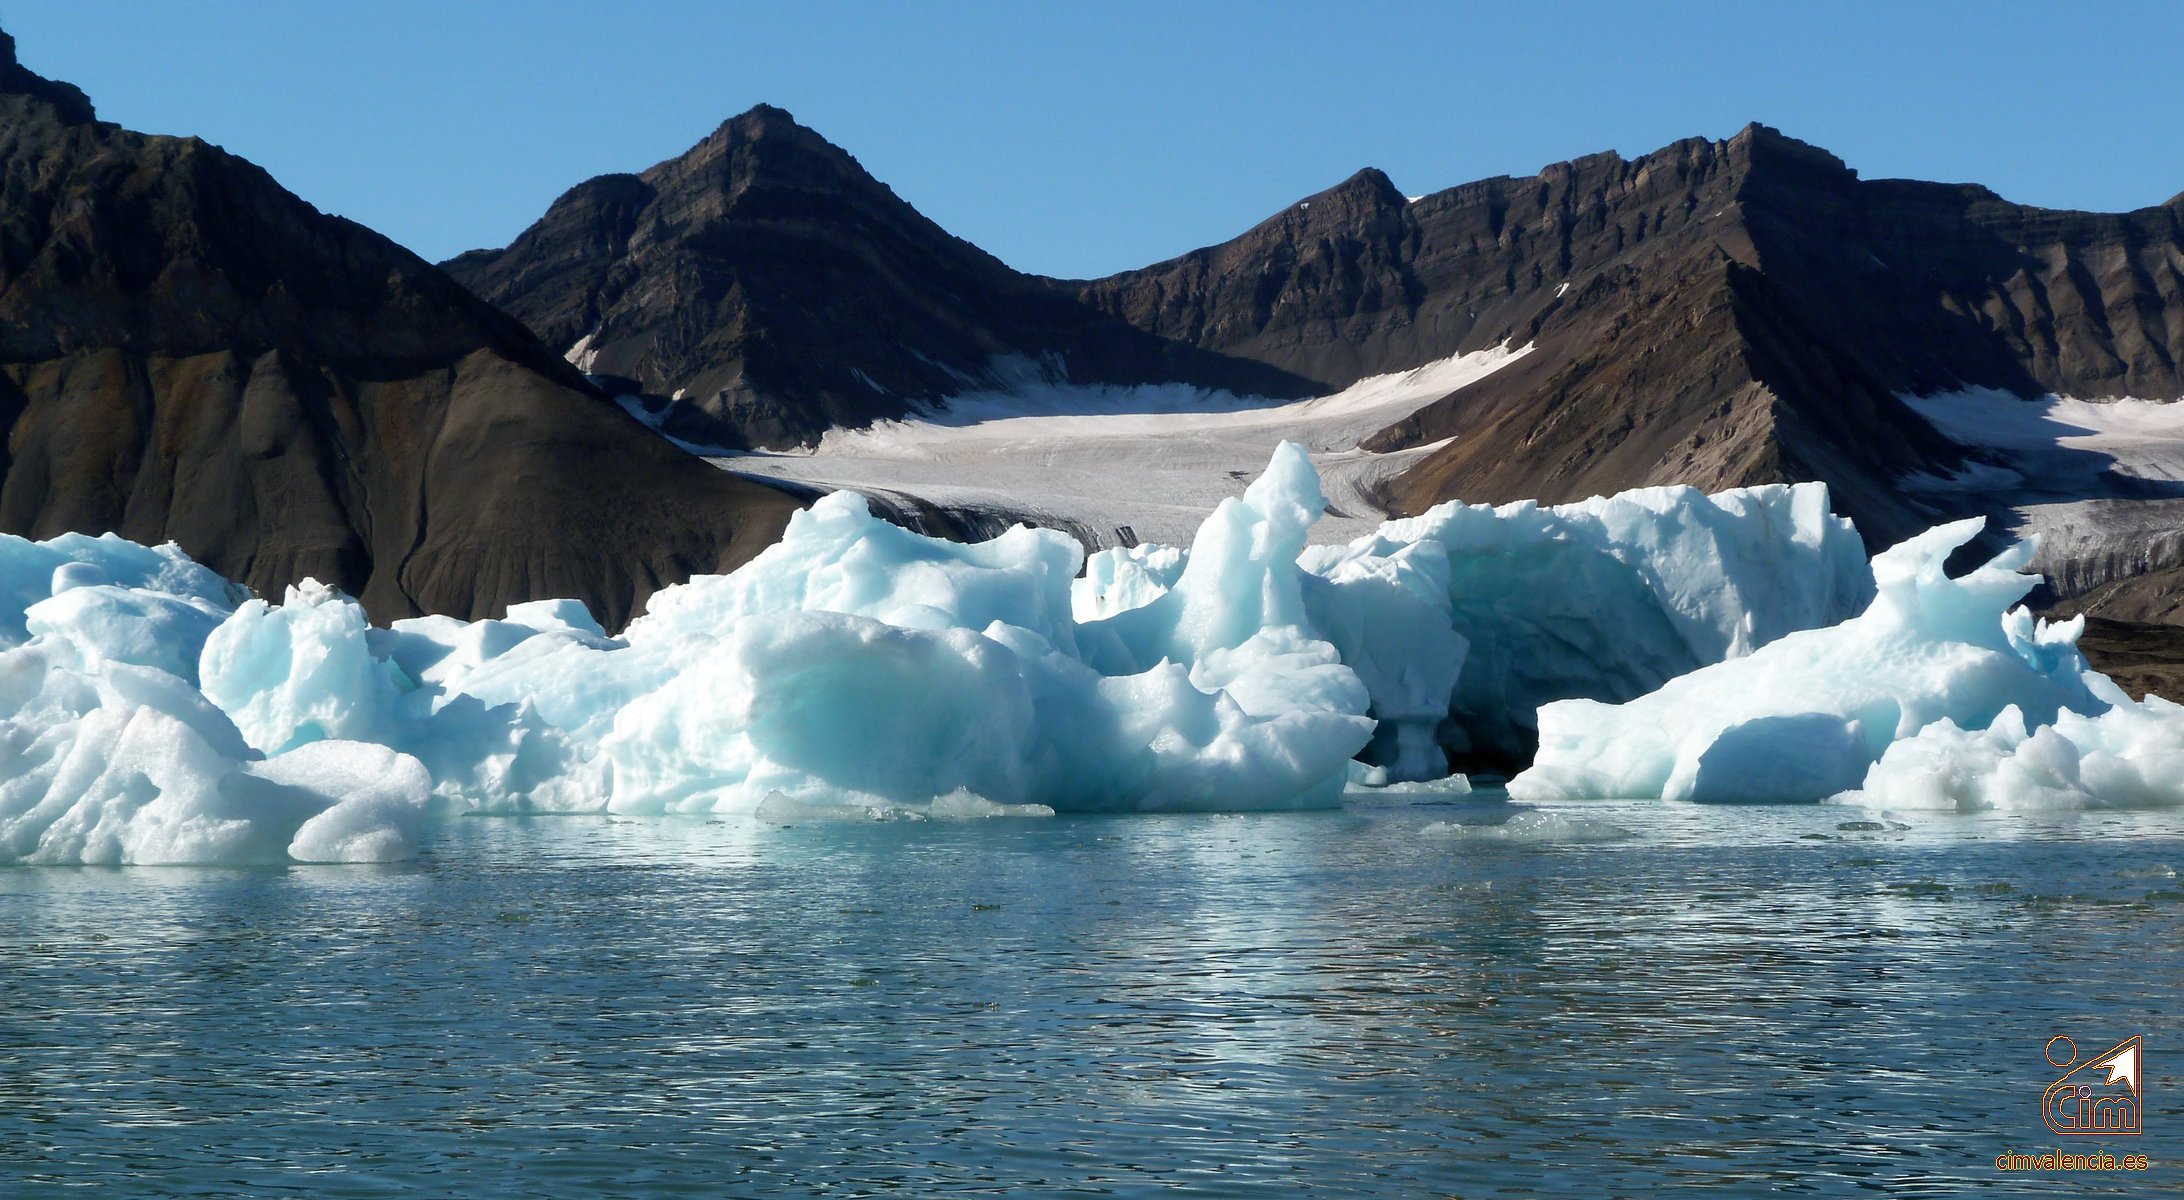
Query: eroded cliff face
point(1358, 281)
point(190, 352)
point(1713, 313)
point(777, 290)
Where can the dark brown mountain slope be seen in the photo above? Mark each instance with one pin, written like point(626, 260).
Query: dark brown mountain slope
point(1713, 313)
point(778, 290)
point(190, 352)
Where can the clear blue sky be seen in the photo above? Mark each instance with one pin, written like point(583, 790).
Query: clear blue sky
point(1079, 139)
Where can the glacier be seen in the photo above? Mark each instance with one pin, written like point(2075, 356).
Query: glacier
point(1735, 646)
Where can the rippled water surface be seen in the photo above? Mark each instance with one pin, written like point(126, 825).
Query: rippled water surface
point(1391, 1000)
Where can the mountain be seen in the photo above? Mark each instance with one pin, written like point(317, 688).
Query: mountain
point(190, 352)
point(777, 289)
point(1714, 313)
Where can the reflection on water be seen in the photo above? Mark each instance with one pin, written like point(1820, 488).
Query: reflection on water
point(1376, 1002)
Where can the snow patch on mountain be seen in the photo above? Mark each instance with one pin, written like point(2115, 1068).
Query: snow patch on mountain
point(2098, 483)
point(2062, 442)
point(1128, 464)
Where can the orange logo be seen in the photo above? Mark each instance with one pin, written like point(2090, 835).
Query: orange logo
point(2083, 1103)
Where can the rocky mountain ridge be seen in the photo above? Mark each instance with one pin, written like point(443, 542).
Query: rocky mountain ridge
point(776, 290)
point(1714, 313)
point(189, 352)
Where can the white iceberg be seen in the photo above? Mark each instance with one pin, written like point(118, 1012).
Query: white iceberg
point(1808, 715)
point(2131, 756)
point(34, 571)
point(108, 762)
point(1611, 597)
point(150, 711)
point(1464, 620)
point(1121, 578)
point(852, 664)
point(858, 662)
point(1391, 618)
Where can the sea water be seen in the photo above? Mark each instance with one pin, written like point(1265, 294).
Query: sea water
point(1401, 998)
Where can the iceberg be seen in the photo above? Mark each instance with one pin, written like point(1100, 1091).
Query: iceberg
point(312, 668)
point(153, 712)
point(1812, 713)
point(1609, 598)
point(2131, 756)
point(1464, 620)
point(34, 571)
point(859, 662)
point(104, 760)
point(1121, 578)
point(1392, 618)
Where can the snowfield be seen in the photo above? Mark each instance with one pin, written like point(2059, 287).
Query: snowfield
point(1152, 460)
point(2099, 484)
point(2059, 443)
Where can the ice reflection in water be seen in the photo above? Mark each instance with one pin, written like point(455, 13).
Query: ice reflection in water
point(1803, 999)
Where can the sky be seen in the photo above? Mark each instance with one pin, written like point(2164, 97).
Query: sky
point(1081, 139)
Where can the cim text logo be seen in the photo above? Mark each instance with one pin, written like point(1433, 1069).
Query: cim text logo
point(2100, 1097)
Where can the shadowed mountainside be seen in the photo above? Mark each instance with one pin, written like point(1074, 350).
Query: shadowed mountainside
point(778, 290)
point(190, 352)
point(1714, 313)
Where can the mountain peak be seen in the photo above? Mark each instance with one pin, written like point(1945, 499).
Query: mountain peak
point(761, 129)
point(758, 122)
point(1372, 183)
point(66, 99)
point(1756, 142)
point(1369, 190)
point(762, 116)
